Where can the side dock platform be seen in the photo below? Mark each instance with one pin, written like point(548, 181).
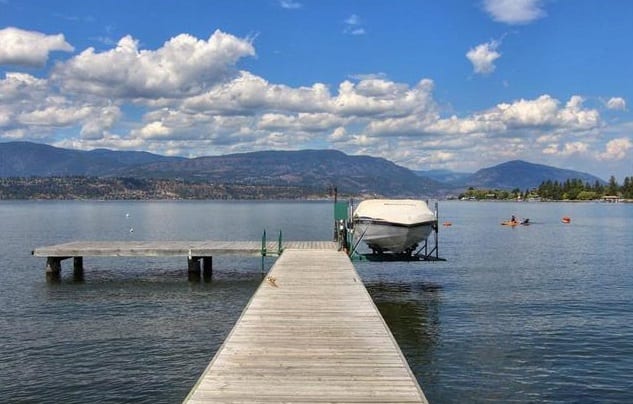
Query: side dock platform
point(195, 251)
point(310, 333)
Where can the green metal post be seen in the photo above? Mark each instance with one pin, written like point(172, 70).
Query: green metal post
point(263, 249)
point(264, 244)
point(279, 249)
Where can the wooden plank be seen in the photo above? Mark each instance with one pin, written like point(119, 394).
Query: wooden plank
point(310, 333)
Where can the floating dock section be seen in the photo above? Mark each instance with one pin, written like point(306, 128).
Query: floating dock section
point(310, 333)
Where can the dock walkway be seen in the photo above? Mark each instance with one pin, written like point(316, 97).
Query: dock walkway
point(310, 333)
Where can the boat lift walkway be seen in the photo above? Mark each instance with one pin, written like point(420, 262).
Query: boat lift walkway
point(310, 333)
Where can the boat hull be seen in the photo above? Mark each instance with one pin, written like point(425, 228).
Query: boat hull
point(394, 225)
point(394, 238)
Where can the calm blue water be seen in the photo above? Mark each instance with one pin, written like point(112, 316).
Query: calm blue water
point(539, 313)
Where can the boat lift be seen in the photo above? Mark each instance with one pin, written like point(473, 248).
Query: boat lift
point(344, 235)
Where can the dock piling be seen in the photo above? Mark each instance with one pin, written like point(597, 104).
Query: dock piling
point(207, 268)
point(54, 268)
point(193, 268)
point(78, 269)
point(54, 264)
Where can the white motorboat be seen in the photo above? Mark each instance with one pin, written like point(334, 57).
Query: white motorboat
point(394, 225)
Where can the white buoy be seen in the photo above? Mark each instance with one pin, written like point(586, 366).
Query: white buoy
point(131, 229)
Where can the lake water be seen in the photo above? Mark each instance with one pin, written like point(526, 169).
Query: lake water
point(539, 313)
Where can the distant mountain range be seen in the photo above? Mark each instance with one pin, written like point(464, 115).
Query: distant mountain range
point(313, 169)
point(509, 175)
point(26, 159)
point(445, 176)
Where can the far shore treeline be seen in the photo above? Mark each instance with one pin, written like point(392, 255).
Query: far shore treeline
point(114, 188)
point(569, 190)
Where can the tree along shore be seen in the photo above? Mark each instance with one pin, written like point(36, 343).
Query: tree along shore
point(570, 190)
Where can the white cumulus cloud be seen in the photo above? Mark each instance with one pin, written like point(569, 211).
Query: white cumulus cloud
point(483, 57)
point(29, 48)
point(248, 93)
point(571, 148)
point(154, 130)
point(616, 149)
point(545, 111)
point(29, 104)
point(302, 122)
point(541, 115)
point(382, 98)
point(101, 120)
point(616, 103)
point(514, 11)
point(183, 66)
point(338, 135)
point(22, 87)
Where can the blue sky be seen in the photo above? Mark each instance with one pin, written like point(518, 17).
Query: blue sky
point(455, 84)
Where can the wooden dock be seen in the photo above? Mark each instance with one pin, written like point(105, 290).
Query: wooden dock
point(172, 248)
point(197, 252)
point(311, 333)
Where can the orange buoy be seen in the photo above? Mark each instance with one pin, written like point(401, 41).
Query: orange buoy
point(566, 219)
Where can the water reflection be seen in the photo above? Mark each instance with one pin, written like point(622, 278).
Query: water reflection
point(411, 309)
point(151, 314)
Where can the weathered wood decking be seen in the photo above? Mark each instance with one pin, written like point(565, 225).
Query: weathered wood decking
point(170, 248)
point(311, 333)
point(195, 251)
